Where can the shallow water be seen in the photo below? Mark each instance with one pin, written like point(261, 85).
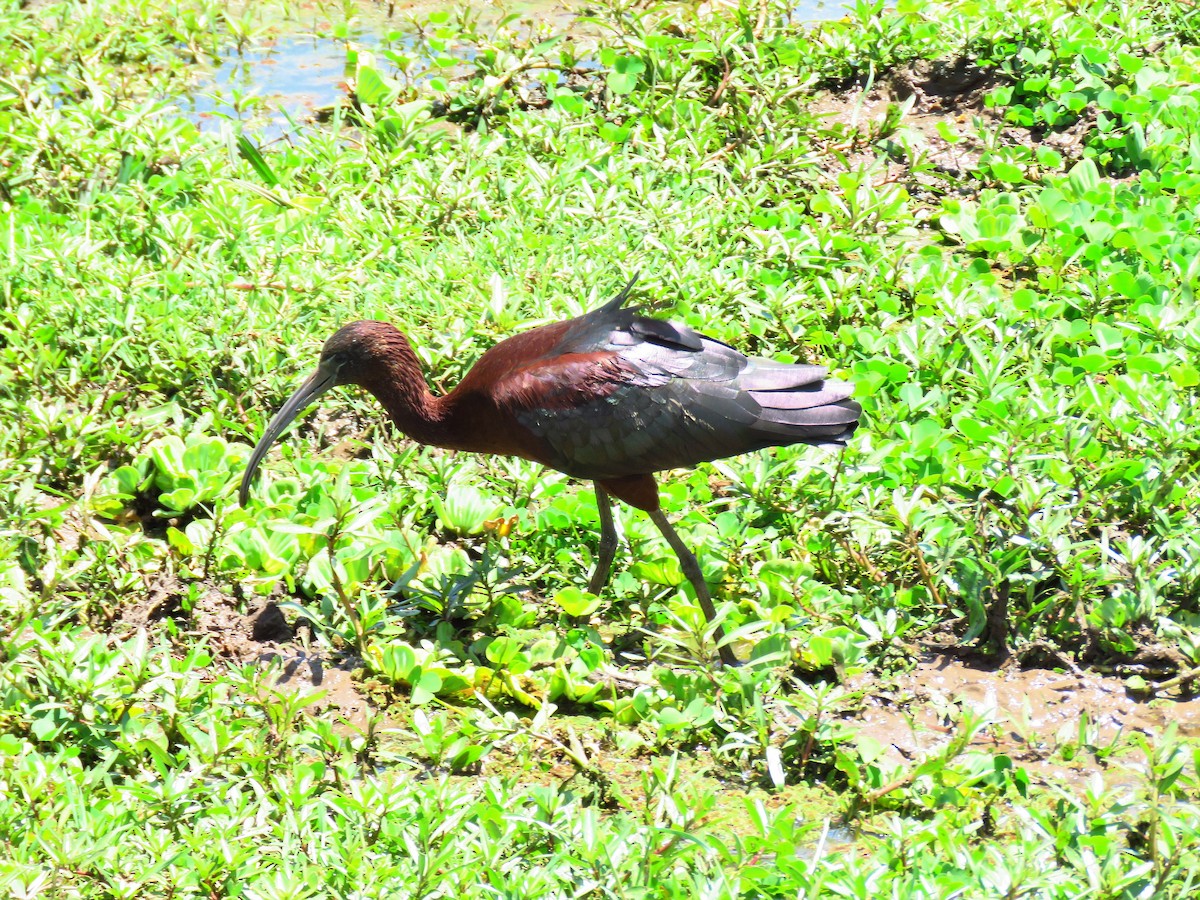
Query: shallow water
point(293, 75)
point(283, 81)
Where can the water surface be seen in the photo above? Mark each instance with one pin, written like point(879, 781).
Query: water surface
point(283, 81)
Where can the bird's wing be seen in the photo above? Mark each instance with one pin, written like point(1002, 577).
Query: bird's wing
point(626, 395)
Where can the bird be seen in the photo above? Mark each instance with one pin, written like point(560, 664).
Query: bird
point(611, 396)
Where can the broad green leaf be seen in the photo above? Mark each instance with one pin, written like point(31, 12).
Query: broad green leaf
point(576, 602)
point(1185, 376)
point(614, 134)
point(570, 103)
point(1108, 339)
point(1083, 177)
point(375, 90)
point(425, 687)
point(502, 651)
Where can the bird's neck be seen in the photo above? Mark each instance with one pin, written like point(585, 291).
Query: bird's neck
point(399, 384)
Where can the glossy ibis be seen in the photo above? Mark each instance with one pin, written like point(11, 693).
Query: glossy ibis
point(611, 396)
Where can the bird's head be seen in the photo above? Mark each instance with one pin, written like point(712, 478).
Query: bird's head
point(350, 356)
point(357, 352)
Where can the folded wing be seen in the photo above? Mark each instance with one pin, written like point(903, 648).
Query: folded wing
point(621, 394)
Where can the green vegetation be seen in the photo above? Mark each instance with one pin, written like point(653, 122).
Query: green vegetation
point(984, 213)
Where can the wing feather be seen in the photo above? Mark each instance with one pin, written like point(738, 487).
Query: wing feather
point(621, 394)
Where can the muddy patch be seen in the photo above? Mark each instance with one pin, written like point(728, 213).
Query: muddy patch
point(307, 672)
point(1062, 728)
point(928, 126)
point(260, 636)
point(1059, 727)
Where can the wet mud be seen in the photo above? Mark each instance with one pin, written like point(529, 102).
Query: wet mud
point(1060, 727)
point(261, 636)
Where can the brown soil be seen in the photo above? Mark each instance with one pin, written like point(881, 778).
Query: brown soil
point(260, 636)
point(1057, 726)
point(943, 123)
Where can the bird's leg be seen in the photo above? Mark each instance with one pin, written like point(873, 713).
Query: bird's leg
point(608, 542)
point(691, 568)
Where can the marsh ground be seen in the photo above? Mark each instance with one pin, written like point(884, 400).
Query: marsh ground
point(970, 638)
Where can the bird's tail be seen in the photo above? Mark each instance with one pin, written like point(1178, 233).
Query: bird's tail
point(800, 403)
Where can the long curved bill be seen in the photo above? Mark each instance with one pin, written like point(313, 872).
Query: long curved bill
point(314, 386)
